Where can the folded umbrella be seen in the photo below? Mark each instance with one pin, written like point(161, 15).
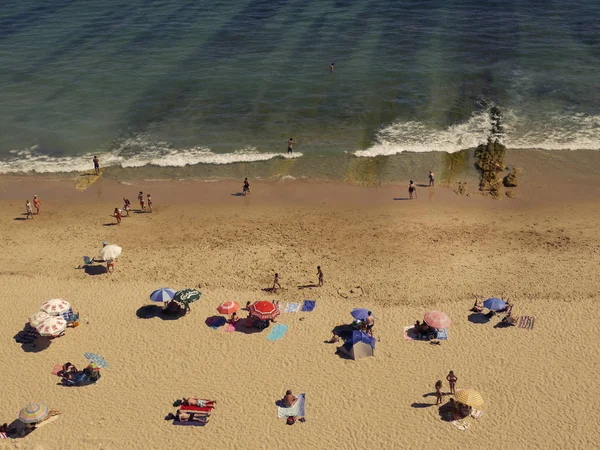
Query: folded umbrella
point(264, 310)
point(162, 295)
point(495, 304)
point(228, 307)
point(437, 319)
point(33, 413)
point(55, 306)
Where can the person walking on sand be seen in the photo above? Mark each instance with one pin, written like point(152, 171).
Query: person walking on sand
point(431, 179)
point(149, 203)
point(412, 189)
point(28, 211)
point(291, 143)
point(36, 204)
point(96, 165)
point(117, 215)
point(276, 284)
point(126, 206)
point(320, 275)
point(142, 201)
point(451, 378)
point(438, 392)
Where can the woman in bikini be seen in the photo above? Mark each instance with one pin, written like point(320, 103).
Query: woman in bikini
point(412, 189)
point(117, 215)
point(452, 379)
point(36, 204)
point(149, 203)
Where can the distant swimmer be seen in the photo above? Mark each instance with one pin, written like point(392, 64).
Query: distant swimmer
point(332, 67)
point(96, 165)
point(291, 143)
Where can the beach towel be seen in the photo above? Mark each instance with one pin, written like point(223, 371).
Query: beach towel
point(526, 322)
point(292, 307)
point(406, 330)
point(296, 410)
point(229, 328)
point(3, 436)
point(308, 305)
point(442, 334)
point(277, 332)
point(216, 322)
point(476, 413)
point(460, 424)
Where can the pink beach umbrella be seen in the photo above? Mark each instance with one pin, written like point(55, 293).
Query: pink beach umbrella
point(228, 307)
point(437, 319)
point(55, 306)
point(52, 326)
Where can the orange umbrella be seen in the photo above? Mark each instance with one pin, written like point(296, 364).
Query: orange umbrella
point(228, 307)
point(264, 310)
point(437, 319)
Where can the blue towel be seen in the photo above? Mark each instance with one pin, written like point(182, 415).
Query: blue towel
point(277, 332)
point(442, 334)
point(308, 305)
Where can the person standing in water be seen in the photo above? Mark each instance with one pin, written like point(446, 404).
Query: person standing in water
point(412, 189)
point(431, 179)
point(291, 143)
point(96, 165)
point(332, 67)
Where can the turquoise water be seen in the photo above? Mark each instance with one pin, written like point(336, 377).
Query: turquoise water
point(170, 83)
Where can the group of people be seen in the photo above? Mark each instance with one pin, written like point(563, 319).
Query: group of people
point(412, 188)
point(127, 206)
point(424, 331)
point(71, 376)
point(277, 285)
point(508, 315)
point(36, 205)
point(452, 379)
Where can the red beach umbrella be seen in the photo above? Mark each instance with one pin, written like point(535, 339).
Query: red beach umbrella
point(228, 307)
point(437, 319)
point(264, 310)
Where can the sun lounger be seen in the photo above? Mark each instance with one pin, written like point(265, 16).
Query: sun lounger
point(87, 261)
point(526, 322)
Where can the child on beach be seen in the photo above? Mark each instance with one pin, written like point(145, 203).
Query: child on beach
point(126, 206)
point(320, 275)
point(142, 201)
point(36, 203)
point(246, 188)
point(28, 209)
point(452, 379)
point(117, 215)
point(438, 392)
point(149, 203)
point(412, 189)
point(276, 283)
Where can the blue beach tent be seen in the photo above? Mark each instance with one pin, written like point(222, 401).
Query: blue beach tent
point(358, 345)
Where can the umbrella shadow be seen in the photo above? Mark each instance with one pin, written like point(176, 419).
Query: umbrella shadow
point(95, 270)
point(18, 430)
point(503, 325)
point(30, 341)
point(343, 331)
point(242, 327)
point(152, 311)
point(445, 412)
point(421, 405)
point(215, 322)
point(478, 318)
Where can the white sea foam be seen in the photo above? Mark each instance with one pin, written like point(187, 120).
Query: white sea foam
point(134, 152)
point(553, 132)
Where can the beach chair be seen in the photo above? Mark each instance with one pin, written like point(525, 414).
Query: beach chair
point(87, 261)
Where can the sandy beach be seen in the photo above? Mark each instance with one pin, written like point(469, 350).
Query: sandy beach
point(540, 249)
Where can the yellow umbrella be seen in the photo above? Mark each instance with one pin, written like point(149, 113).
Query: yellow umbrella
point(469, 397)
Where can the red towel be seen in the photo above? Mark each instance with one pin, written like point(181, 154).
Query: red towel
point(196, 408)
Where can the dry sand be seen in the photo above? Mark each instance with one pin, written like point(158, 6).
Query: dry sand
point(540, 386)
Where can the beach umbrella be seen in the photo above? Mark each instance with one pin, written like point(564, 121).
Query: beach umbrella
point(162, 295)
point(37, 318)
point(437, 319)
point(494, 304)
point(33, 413)
point(96, 359)
point(52, 326)
point(187, 296)
point(228, 307)
point(264, 310)
point(360, 313)
point(469, 397)
point(55, 306)
point(110, 252)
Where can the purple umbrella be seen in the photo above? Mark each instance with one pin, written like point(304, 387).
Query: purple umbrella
point(360, 313)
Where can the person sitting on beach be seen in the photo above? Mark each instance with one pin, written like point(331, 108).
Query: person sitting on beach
point(172, 307)
point(289, 399)
point(417, 329)
point(438, 392)
point(233, 318)
point(412, 189)
point(369, 324)
point(193, 401)
point(246, 188)
point(477, 307)
point(68, 371)
point(454, 410)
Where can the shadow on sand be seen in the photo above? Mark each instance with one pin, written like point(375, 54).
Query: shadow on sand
point(95, 270)
point(478, 318)
point(152, 311)
point(401, 198)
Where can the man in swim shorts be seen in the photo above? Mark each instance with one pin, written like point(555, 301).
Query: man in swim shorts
point(291, 143)
point(96, 165)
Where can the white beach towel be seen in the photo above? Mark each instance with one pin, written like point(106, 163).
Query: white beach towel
point(476, 413)
point(292, 307)
point(297, 410)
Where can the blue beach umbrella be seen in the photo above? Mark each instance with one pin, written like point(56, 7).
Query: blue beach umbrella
point(494, 304)
point(162, 295)
point(360, 313)
point(97, 359)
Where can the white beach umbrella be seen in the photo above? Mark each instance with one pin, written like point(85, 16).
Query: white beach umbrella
point(37, 318)
point(52, 326)
point(55, 306)
point(110, 252)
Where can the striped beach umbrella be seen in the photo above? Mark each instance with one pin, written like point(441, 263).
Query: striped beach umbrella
point(264, 310)
point(469, 397)
point(495, 304)
point(37, 318)
point(228, 307)
point(52, 326)
point(96, 359)
point(162, 295)
point(33, 413)
point(437, 319)
point(55, 306)
point(187, 296)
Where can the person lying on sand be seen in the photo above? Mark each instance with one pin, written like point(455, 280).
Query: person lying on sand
point(289, 399)
point(193, 401)
point(192, 417)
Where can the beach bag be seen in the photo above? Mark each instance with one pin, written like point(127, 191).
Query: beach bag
point(291, 420)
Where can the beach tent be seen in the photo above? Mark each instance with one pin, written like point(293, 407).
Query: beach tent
point(358, 345)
